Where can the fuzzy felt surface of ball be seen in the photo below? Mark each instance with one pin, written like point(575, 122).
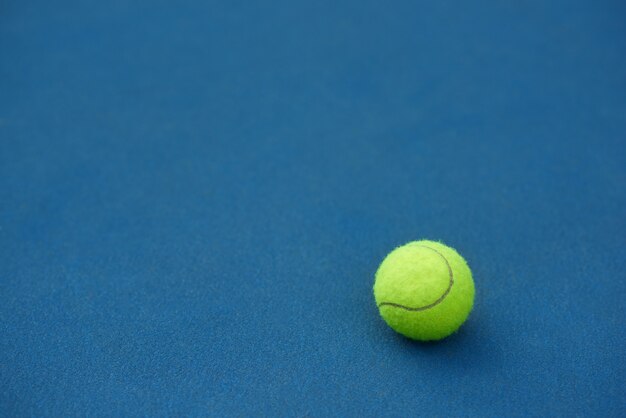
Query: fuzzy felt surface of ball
point(424, 290)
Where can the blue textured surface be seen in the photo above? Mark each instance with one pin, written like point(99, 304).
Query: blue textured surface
point(194, 197)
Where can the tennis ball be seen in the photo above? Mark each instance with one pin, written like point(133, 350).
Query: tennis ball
point(424, 290)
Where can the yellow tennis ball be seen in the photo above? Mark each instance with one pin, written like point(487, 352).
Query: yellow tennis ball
point(424, 290)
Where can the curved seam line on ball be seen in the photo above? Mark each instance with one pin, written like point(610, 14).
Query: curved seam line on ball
point(435, 303)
